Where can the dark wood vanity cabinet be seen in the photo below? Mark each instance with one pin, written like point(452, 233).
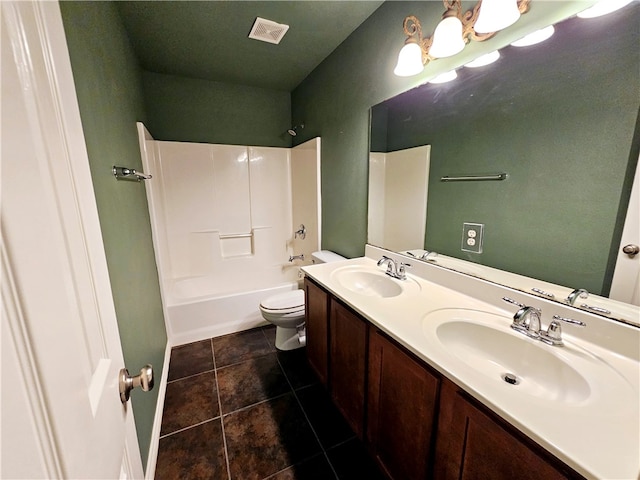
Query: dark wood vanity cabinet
point(402, 397)
point(416, 423)
point(472, 443)
point(347, 364)
point(336, 351)
point(317, 329)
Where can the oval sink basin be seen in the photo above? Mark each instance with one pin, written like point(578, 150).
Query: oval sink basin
point(532, 367)
point(481, 349)
point(372, 282)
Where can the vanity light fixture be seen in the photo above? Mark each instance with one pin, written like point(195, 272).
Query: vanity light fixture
point(535, 37)
point(603, 7)
point(454, 31)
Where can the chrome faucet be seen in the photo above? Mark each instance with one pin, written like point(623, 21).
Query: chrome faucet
point(527, 320)
point(578, 292)
point(391, 265)
point(425, 256)
point(393, 269)
point(296, 257)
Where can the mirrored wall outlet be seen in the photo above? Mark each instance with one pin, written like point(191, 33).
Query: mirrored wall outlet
point(472, 234)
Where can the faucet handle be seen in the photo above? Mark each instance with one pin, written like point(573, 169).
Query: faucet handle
point(515, 302)
point(302, 232)
point(553, 335)
point(402, 274)
point(579, 323)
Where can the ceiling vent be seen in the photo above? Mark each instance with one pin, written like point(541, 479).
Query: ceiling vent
point(268, 31)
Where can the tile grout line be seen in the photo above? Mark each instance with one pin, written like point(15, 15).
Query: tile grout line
point(190, 376)
point(315, 434)
point(246, 360)
point(190, 427)
point(224, 436)
point(247, 407)
point(293, 465)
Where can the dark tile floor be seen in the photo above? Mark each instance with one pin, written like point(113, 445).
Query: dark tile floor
point(238, 409)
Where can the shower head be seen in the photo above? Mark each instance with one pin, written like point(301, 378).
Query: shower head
point(294, 131)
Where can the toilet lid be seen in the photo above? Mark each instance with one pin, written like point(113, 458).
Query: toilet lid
point(284, 302)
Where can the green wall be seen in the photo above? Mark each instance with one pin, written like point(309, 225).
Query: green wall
point(334, 103)
point(109, 88)
point(193, 110)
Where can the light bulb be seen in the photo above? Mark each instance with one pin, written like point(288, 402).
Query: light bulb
point(483, 60)
point(496, 15)
point(535, 37)
point(447, 38)
point(409, 60)
point(444, 77)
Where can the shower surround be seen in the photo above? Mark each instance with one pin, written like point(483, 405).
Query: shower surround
point(223, 220)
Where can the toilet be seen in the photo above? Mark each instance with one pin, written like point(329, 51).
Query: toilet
point(286, 310)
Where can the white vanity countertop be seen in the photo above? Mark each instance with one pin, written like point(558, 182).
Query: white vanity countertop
point(597, 433)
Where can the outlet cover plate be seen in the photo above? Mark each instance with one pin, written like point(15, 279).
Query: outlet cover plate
point(472, 235)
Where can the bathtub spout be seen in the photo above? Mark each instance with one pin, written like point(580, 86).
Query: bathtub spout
point(296, 257)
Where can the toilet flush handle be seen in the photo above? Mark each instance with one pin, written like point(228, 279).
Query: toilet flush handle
point(128, 383)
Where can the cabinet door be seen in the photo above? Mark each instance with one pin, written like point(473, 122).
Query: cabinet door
point(473, 444)
point(317, 331)
point(402, 400)
point(348, 334)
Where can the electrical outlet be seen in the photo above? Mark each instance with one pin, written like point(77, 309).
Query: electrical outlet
point(472, 234)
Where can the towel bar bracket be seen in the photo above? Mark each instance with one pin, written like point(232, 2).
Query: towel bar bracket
point(125, 173)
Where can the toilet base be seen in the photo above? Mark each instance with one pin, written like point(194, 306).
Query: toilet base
point(287, 338)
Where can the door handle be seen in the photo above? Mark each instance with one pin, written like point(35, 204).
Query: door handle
point(631, 250)
point(128, 383)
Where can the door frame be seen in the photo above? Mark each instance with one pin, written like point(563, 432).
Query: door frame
point(625, 285)
point(41, 56)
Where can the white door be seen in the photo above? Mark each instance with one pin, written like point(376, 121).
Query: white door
point(61, 412)
point(625, 286)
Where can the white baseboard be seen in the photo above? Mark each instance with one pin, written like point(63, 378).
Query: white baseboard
point(157, 420)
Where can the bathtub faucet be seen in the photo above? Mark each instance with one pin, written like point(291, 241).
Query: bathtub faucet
point(296, 257)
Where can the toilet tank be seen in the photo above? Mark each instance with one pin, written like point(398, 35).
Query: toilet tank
point(326, 256)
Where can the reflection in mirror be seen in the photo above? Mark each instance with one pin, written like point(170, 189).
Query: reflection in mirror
point(398, 197)
point(561, 119)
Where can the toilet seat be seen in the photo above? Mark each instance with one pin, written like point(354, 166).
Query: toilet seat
point(284, 303)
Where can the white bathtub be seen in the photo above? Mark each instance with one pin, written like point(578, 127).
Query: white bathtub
point(205, 307)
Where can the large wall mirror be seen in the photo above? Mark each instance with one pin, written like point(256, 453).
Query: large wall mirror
point(560, 119)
